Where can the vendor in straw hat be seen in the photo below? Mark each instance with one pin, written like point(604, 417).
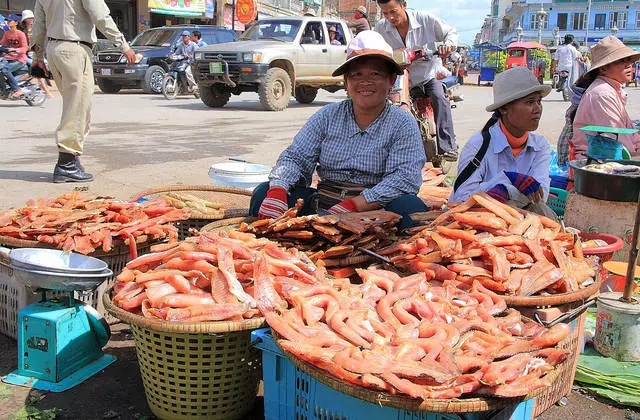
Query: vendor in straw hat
point(368, 153)
point(507, 159)
point(604, 101)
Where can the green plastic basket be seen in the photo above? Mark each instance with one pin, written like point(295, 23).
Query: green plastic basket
point(207, 370)
point(557, 200)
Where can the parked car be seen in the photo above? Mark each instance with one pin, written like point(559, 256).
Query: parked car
point(276, 57)
point(152, 48)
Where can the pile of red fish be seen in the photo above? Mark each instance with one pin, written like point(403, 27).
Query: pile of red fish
point(407, 336)
point(505, 249)
point(210, 277)
point(82, 224)
point(433, 191)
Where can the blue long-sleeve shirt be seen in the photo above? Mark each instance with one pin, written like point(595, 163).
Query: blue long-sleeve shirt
point(533, 161)
point(387, 154)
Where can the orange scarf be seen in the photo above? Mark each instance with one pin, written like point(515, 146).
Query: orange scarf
point(511, 139)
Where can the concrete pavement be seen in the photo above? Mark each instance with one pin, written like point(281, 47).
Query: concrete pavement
point(142, 141)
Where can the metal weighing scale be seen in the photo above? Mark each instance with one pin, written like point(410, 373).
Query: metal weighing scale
point(60, 340)
point(603, 147)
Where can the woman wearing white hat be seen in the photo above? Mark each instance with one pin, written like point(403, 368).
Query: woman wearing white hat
point(604, 101)
point(368, 153)
point(26, 20)
point(507, 159)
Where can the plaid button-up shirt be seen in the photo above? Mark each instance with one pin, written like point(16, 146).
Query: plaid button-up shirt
point(387, 154)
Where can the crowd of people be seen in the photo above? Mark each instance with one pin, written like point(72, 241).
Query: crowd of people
point(368, 153)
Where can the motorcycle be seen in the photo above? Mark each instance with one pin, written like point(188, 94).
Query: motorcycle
point(175, 80)
point(563, 85)
point(31, 93)
point(421, 108)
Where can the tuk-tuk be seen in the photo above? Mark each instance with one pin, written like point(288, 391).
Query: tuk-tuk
point(489, 57)
point(529, 54)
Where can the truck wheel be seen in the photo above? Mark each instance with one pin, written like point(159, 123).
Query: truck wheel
point(275, 92)
point(306, 94)
point(108, 86)
point(214, 96)
point(153, 80)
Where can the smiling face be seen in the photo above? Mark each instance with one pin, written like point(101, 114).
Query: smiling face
point(524, 113)
point(368, 81)
point(12, 24)
point(620, 71)
point(394, 12)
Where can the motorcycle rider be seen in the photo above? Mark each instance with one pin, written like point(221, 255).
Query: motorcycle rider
point(566, 57)
point(16, 59)
point(414, 29)
point(196, 36)
point(27, 27)
point(187, 48)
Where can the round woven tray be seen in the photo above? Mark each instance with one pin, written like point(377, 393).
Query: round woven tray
point(555, 300)
point(179, 327)
point(235, 201)
point(405, 402)
point(12, 242)
point(227, 224)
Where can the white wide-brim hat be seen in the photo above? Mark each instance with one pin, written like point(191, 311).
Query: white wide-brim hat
point(514, 84)
point(368, 44)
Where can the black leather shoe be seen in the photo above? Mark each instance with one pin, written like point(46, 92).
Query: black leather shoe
point(68, 170)
point(450, 156)
point(79, 163)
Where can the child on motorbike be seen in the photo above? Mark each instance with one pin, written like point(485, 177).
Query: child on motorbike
point(16, 59)
point(507, 159)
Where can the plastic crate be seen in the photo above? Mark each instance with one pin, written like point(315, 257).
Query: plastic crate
point(557, 200)
point(290, 394)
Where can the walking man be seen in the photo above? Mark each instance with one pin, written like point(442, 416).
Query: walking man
point(566, 58)
point(65, 31)
point(414, 29)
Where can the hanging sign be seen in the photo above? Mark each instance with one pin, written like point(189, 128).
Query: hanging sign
point(246, 11)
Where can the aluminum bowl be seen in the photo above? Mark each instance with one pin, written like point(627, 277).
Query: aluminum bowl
point(65, 282)
point(54, 260)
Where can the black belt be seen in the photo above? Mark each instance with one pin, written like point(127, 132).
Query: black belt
point(88, 44)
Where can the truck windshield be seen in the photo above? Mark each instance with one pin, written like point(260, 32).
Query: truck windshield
point(282, 30)
point(154, 38)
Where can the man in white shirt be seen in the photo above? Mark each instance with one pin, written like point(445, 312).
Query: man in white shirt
point(412, 29)
point(565, 58)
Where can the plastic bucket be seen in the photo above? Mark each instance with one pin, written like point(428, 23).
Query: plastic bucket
point(617, 328)
point(601, 147)
point(239, 174)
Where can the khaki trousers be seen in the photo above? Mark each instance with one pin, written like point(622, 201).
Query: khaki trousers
point(72, 71)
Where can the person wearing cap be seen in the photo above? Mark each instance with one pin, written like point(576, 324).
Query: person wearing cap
point(566, 57)
point(26, 20)
point(333, 36)
point(66, 32)
point(507, 159)
point(415, 29)
point(604, 100)
point(187, 48)
point(16, 59)
point(361, 23)
point(368, 153)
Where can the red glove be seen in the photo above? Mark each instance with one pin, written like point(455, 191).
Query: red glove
point(274, 204)
point(500, 193)
point(346, 206)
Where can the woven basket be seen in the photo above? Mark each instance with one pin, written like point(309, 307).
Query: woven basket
point(235, 201)
point(205, 370)
point(404, 402)
point(555, 300)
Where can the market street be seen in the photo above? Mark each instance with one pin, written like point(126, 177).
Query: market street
point(144, 141)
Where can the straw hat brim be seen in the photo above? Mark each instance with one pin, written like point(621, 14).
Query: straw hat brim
point(343, 68)
point(544, 90)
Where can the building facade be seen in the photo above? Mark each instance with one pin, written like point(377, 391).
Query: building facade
point(588, 21)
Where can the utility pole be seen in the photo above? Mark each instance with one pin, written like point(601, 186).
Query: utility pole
point(586, 32)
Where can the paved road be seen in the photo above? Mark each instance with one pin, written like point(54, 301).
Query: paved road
point(142, 141)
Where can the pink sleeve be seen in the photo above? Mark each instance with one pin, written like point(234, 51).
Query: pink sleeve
point(598, 108)
point(3, 41)
point(24, 46)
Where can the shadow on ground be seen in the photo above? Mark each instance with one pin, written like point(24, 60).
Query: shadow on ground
point(29, 176)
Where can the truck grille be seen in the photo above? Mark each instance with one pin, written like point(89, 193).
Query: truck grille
point(225, 56)
point(204, 69)
point(109, 58)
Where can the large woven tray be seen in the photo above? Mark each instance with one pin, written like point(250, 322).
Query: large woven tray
point(555, 300)
point(405, 402)
point(235, 202)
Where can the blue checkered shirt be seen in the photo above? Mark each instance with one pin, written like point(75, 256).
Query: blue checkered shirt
point(387, 154)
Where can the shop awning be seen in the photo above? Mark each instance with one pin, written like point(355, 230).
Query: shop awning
point(175, 12)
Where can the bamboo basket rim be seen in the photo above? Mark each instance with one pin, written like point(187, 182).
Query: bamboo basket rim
point(179, 327)
point(224, 223)
point(233, 212)
point(555, 300)
point(405, 402)
point(118, 244)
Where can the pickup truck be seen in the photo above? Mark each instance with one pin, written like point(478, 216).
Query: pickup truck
point(276, 57)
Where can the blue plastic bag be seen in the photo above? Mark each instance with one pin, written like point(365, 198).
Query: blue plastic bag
point(555, 169)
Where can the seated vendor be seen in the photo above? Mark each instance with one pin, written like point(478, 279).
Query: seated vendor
point(507, 159)
point(604, 101)
point(368, 153)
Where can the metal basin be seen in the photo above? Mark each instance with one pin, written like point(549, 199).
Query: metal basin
point(66, 282)
point(609, 187)
point(53, 260)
